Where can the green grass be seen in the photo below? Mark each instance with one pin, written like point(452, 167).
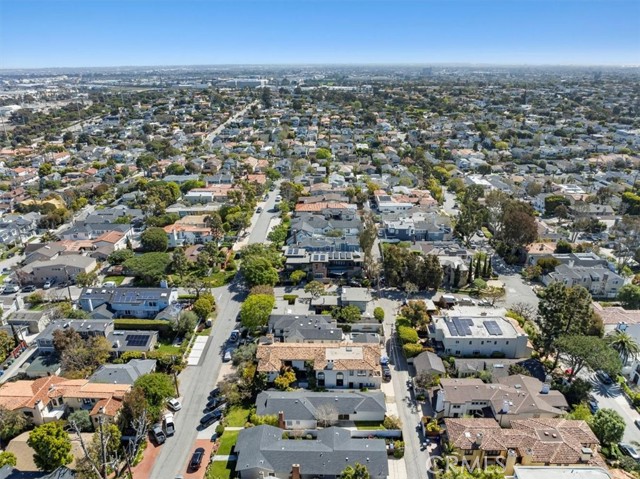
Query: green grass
point(487, 233)
point(227, 441)
point(204, 332)
point(370, 425)
point(220, 278)
point(2, 277)
point(116, 279)
point(221, 470)
point(237, 417)
point(37, 307)
point(167, 348)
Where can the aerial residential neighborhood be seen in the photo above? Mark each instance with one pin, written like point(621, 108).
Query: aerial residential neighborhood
point(332, 272)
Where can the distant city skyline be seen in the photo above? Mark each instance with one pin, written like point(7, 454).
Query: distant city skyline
point(112, 33)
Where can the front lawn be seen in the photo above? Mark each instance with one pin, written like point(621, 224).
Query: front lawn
point(116, 279)
point(370, 425)
point(220, 278)
point(221, 470)
point(167, 348)
point(237, 416)
point(227, 441)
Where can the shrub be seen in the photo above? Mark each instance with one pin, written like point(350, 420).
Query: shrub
point(392, 422)
point(398, 449)
point(164, 327)
point(378, 313)
point(407, 335)
point(220, 429)
point(290, 298)
point(402, 321)
point(411, 350)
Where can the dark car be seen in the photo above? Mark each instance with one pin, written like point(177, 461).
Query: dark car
point(196, 459)
point(593, 406)
point(210, 418)
point(29, 289)
point(214, 393)
point(214, 403)
point(604, 378)
point(386, 372)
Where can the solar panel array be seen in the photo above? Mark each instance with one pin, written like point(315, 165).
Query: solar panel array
point(136, 340)
point(459, 326)
point(340, 255)
point(493, 328)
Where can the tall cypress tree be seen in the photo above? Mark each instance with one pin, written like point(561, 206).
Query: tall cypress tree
point(478, 272)
point(470, 277)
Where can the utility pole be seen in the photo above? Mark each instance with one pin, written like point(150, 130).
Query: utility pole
point(175, 377)
point(103, 444)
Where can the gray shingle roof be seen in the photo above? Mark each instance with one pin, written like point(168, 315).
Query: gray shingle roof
point(123, 373)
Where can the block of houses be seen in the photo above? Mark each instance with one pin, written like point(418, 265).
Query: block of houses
point(507, 399)
point(146, 303)
point(291, 328)
point(486, 336)
point(262, 452)
point(334, 365)
point(529, 442)
point(308, 409)
point(51, 398)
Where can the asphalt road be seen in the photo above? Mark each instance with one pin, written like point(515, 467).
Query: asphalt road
point(195, 382)
point(233, 117)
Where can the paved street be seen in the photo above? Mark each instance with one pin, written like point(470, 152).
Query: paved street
point(197, 381)
point(611, 397)
point(233, 117)
point(409, 415)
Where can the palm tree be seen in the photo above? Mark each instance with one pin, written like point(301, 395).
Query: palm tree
point(624, 344)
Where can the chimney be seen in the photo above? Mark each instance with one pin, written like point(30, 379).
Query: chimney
point(281, 423)
point(527, 457)
point(505, 406)
point(478, 440)
point(545, 388)
point(586, 454)
point(439, 407)
point(295, 471)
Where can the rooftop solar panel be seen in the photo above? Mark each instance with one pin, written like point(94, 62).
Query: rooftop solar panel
point(493, 328)
point(452, 327)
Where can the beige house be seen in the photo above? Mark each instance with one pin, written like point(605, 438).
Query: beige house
point(60, 270)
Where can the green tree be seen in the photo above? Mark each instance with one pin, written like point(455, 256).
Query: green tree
point(368, 234)
point(7, 343)
point(563, 310)
point(86, 280)
point(284, 379)
point(179, 262)
point(45, 169)
point(323, 154)
point(349, 314)
point(581, 412)
point(629, 296)
point(407, 334)
point(297, 276)
point(51, 445)
point(608, 426)
point(357, 471)
point(157, 388)
point(8, 459)
point(624, 344)
point(552, 202)
point(314, 288)
point(120, 256)
point(203, 307)
point(590, 351)
point(255, 311)
point(150, 268)
point(81, 419)
point(416, 312)
point(563, 247)
point(12, 423)
point(185, 324)
point(258, 270)
point(154, 240)
point(378, 314)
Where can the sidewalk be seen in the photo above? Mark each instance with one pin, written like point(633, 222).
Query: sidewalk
point(17, 364)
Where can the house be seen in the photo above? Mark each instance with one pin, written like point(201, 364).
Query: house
point(123, 373)
point(334, 365)
point(145, 303)
point(262, 452)
point(529, 442)
point(122, 341)
point(308, 409)
point(479, 336)
point(60, 269)
point(322, 266)
point(358, 297)
point(512, 397)
point(51, 398)
point(91, 231)
point(574, 471)
point(290, 328)
point(429, 363)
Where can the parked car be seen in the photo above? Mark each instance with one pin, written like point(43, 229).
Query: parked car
point(593, 406)
point(637, 423)
point(196, 459)
point(48, 284)
point(11, 288)
point(158, 434)
point(174, 404)
point(227, 356)
point(215, 403)
point(259, 210)
point(215, 392)
point(169, 425)
point(278, 199)
point(629, 450)
point(28, 288)
point(210, 418)
point(386, 372)
point(604, 378)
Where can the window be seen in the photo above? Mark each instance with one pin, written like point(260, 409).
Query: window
point(362, 373)
point(351, 372)
point(340, 379)
point(320, 379)
point(343, 417)
point(470, 342)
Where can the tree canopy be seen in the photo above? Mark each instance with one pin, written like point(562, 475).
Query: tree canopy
point(154, 239)
point(590, 351)
point(255, 311)
point(157, 388)
point(51, 445)
point(608, 426)
point(150, 268)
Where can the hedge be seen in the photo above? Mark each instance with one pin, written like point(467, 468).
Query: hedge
point(407, 335)
point(290, 298)
point(159, 325)
point(412, 350)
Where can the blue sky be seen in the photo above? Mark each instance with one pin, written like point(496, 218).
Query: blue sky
point(64, 33)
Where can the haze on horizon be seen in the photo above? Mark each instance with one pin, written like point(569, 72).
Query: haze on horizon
point(113, 33)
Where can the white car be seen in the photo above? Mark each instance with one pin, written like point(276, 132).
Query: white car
point(174, 404)
point(47, 284)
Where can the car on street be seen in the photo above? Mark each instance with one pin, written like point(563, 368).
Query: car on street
point(259, 209)
point(227, 355)
point(169, 425)
point(158, 434)
point(215, 392)
point(209, 418)
point(278, 199)
point(215, 403)
point(629, 450)
point(386, 372)
point(604, 378)
point(593, 406)
point(637, 423)
point(48, 284)
point(28, 288)
point(174, 404)
point(11, 288)
point(196, 459)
